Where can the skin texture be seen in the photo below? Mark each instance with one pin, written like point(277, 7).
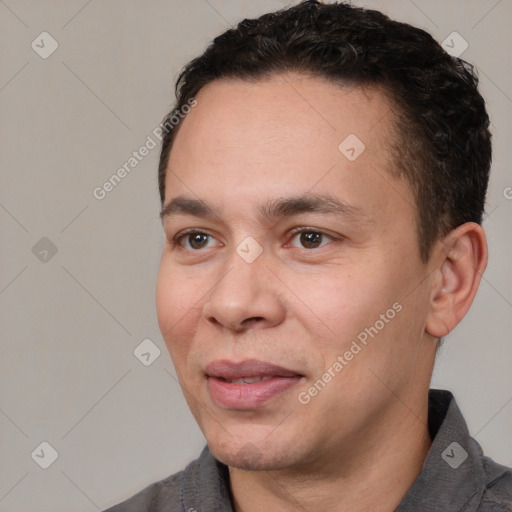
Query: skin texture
point(361, 441)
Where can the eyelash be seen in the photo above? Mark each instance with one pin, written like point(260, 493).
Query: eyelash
point(178, 239)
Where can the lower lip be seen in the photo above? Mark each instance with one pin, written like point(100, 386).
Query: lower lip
point(248, 396)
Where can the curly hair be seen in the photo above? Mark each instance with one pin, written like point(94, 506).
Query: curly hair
point(442, 144)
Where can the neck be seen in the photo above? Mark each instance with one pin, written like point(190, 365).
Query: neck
point(374, 476)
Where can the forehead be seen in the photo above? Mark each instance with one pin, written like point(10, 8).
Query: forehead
point(286, 133)
point(284, 109)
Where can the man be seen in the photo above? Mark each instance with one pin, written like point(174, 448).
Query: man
point(323, 179)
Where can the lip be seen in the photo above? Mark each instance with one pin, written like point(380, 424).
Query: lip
point(247, 396)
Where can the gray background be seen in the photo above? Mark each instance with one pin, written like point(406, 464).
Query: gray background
point(70, 323)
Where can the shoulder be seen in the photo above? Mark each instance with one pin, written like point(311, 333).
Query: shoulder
point(179, 492)
point(158, 497)
point(497, 496)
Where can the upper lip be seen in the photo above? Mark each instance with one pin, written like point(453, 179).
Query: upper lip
point(227, 369)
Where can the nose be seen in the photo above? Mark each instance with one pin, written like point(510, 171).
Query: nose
point(247, 296)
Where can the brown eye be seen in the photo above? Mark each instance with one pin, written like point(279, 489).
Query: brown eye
point(310, 239)
point(198, 240)
point(195, 241)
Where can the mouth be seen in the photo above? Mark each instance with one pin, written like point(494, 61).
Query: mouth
point(248, 384)
point(247, 380)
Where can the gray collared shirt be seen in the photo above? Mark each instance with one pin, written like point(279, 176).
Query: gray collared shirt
point(456, 476)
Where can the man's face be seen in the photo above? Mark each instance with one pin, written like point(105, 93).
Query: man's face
point(284, 255)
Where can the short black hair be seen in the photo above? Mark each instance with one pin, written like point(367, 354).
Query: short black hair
point(442, 144)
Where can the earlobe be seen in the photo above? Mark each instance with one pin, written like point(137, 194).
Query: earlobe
point(462, 258)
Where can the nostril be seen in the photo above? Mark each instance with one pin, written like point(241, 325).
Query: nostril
point(213, 320)
point(253, 320)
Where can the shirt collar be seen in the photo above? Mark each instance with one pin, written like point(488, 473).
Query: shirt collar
point(453, 476)
point(205, 486)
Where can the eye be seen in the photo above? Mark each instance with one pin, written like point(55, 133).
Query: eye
point(310, 239)
point(195, 240)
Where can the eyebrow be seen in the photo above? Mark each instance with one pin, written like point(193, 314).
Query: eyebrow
point(187, 206)
point(276, 208)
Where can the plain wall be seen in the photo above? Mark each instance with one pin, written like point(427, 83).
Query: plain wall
point(70, 324)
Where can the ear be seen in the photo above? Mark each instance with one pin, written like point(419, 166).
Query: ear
point(460, 260)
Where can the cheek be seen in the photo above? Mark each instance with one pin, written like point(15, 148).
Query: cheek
point(176, 305)
point(344, 302)
point(165, 300)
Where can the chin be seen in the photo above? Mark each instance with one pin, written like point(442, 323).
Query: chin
point(254, 452)
point(250, 458)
